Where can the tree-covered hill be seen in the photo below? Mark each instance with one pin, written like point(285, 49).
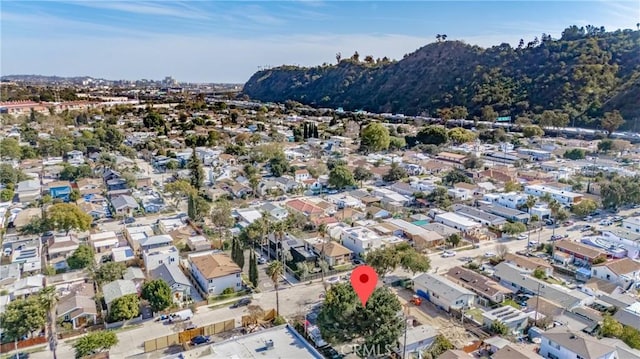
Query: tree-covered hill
point(584, 74)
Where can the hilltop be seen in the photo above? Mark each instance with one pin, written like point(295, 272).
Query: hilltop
point(584, 73)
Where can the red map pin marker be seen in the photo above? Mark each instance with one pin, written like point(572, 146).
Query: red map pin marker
point(364, 280)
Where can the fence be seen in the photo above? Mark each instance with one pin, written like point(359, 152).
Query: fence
point(132, 321)
point(186, 335)
point(7, 347)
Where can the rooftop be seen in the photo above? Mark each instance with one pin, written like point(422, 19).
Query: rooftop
point(214, 265)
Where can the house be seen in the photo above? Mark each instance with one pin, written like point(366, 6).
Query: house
point(180, 285)
point(124, 254)
point(276, 212)
point(513, 352)
point(625, 272)
point(452, 158)
point(78, 307)
point(103, 241)
point(516, 279)
point(9, 274)
point(511, 200)
point(95, 210)
point(342, 200)
point(377, 213)
point(116, 184)
point(304, 207)
point(529, 264)
point(416, 340)
point(581, 254)
point(514, 319)
point(301, 175)
point(477, 215)
point(507, 213)
point(26, 286)
point(487, 290)
point(360, 240)
point(441, 229)
point(157, 241)
point(157, 256)
point(286, 184)
point(135, 234)
point(28, 191)
point(59, 249)
point(628, 238)
point(124, 205)
point(89, 186)
point(334, 253)
point(456, 221)
point(59, 190)
point(566, 198)
point(561, 343)
point(198, 243)
point(215, 272)
point(116, 289)
point(460, 194)
point(152, 203)
point(134, 274)
point(442, 292)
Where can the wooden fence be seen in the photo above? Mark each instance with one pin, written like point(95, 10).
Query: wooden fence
point(7, 347)
point(186, 335)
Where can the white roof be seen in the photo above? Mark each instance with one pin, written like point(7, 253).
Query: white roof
point(103, 235)
point(461, 220)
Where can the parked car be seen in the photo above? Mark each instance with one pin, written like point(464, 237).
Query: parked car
point(606, 222)
point(262, 260)
point(241, 303)
point(522, 236)
point(129, 220)
point(568, 223)
point(357, 262)
point(548, 222)
point(200, 339)
point(586, 228)
point(617, 219)
point(7, 251)
point(489, 255)
point(465, 259)
point(556, 237)
point(333, 280)
point(446, 254)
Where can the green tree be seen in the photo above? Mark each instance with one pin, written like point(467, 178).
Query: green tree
point(158, 293)
point(362, 174)
point(473, 162)
point(611, 121)
point(460, 135)
point(10, 149)
point(237, 253)
point(125, 308)
point(341, 177)
point(584, 207)
point(108, 272)
point(611, 327)
point(253, 269)
point(511, 186)
point(344, 318)
point(397, 143)
point(196, 171)
point(440, 345)
point(395, 173)
point(178, 189)
point(439, 197)
point(499, 328)
point(6, 195)
point(432, 135)
point(67, 216)
point(374, 138)
point(455, 176)
point(454, 239)
point(279, 166)
point(275, 271)
point(384, 260)
point(539, 273)
point(488, 114)
point(23, 317)
point(513, 228)
point(532, 131)
point(574, 154)
point(82, 257)
point(95, 342)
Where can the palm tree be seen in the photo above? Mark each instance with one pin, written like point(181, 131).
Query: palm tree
point(274, 271)
point(531, 201)
point(279, 229)
point(49, 299)
point(322, 231)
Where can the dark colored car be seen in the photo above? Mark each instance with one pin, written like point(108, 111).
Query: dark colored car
point(241, 303)
point(331, 353)
point(129, 220)
point(200, 339)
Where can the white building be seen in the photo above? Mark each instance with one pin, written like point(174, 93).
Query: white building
point(511, 200)
point(624, 272)
point(461, 194)
point(628, 239)
point(632, 224)
point(214, 272)
point(360, 240)
point(104, 241)
point(345, 201)
point(457, 221)
point(566, 198)
point(442, 292)
point(562, 343)
point(515, 319)
point(154, 258)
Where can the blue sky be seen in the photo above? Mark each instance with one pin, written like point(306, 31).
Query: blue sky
point(226, 41)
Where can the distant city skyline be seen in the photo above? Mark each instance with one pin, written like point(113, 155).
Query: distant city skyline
point(228, 41)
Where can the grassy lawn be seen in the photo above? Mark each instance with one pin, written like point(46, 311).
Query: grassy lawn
point(511, 303)
point(476, 313)
point(551, 280)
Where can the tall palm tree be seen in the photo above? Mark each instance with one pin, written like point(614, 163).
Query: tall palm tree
point(322, 231)
point(279, 229)
point(530, 203)
point(49, 299)
point(274, 271)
